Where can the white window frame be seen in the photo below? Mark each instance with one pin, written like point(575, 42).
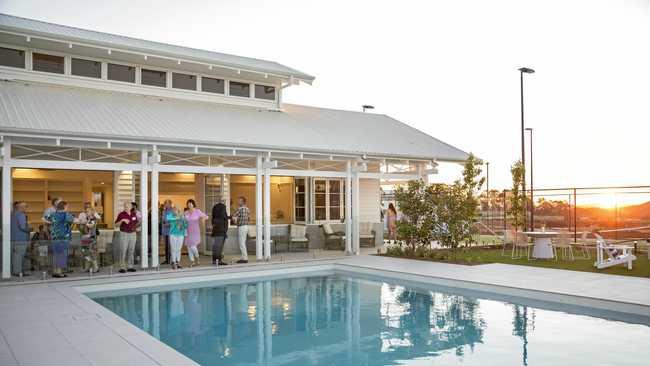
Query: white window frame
point(312, 201)
point(275, 91)
point(66, 62)
point(26, 54)
point(306, 207)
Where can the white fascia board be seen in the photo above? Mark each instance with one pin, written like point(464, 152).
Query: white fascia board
point(204, 169)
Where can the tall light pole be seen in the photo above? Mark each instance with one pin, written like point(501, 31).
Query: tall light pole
point(532, 192)
point(487, 189)
point(522, 71)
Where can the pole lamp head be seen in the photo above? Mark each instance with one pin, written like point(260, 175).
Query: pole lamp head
point(526, 70)
point(367, 106)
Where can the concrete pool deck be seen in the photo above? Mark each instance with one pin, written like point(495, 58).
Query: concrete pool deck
point(54, 323)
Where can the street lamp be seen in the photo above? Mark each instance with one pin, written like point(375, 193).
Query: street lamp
point(487, 189)
point(522, 71)
point(367, 106)
point(532, 192)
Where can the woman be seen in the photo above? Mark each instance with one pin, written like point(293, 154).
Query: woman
point(391, 221)
point(61, 223)
point(194, 217)
point(177, 231)
point(220, 222)
point(88, 229)
point(167, 208)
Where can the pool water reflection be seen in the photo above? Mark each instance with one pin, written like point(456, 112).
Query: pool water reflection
point(340, 320)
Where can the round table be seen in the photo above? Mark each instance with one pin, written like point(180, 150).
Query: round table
point(542, 248)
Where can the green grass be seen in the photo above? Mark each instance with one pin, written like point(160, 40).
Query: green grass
point(486, 255)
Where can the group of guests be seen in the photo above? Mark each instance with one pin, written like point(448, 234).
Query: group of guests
point(56, 228)
point(178, 228)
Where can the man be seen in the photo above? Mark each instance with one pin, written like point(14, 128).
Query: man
point(19, 237)
point(219, 231)
point(241, 218)
point(128, 221)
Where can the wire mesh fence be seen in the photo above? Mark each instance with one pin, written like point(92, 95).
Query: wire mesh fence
point(618, 213)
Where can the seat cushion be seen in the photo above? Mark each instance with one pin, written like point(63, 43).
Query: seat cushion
point(327, 228)
point(365, 228)
point(297, 232)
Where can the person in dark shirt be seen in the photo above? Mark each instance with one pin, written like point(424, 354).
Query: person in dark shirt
point(220, 221)
point(129, 222)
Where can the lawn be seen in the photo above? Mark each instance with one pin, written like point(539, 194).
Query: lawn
point(486, 255)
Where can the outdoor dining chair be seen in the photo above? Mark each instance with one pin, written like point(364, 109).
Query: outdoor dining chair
point(563, 245)
point(521, 245)
point(583, 245)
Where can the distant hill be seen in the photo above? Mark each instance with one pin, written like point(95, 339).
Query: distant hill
point(640, 211)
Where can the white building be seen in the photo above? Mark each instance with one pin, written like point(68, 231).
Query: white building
point(102, 118)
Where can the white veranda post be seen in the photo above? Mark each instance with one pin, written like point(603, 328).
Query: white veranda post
point(144, 209)
point(155, 158)
point(267, 207)
point(355, 210)
point(348, 208)
point(258, 209)
point(6, 209)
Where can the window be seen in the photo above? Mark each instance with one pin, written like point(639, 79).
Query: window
point(11, 57)
point(47, 63)
point(264, 92)
point(238, 89)
point(153, 78)
point(211, 85)
point(328, 202)
point(301, 202)
point(121, 73)
point(87, 68)
point(183, 81)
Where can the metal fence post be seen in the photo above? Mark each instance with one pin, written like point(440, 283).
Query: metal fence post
point(575, 216)
point(505, 218)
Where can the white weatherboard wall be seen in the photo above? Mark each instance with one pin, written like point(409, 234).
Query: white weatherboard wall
point(124, 189)
point(369, 200)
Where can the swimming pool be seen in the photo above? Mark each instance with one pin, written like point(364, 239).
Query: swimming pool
point(345, 319)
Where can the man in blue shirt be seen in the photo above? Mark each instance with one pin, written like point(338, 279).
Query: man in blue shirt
point(20, 231)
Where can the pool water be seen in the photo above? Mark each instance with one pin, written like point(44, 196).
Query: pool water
point(341, 320)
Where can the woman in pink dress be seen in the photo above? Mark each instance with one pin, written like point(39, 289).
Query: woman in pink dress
point(194, 217)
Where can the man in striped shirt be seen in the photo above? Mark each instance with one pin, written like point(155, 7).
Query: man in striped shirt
point(241, 218)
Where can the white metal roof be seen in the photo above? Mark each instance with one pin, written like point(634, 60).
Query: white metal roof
point(67, 111)
point(70, 34)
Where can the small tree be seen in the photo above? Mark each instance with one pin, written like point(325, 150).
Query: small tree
point(455, 206)
point(516, 210)
point(415, 225)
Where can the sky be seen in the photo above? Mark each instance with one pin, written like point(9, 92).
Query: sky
point(448, 68)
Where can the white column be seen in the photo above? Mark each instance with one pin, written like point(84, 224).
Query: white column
point(144, 208)
point(6, 209)
point(348, 208)
point(258, 209)
point(267, 208)
point(154, 207)
point(355, 211)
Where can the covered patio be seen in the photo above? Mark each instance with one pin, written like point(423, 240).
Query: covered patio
point(302, 166)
